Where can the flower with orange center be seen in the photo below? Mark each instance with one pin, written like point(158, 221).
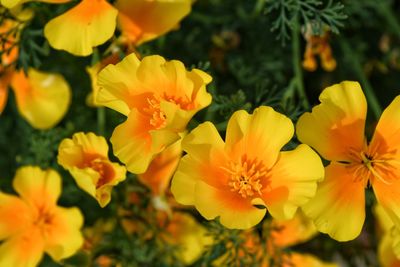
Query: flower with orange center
point(142, 20)
point(335, 128)
point(159, 97)
point(34, 224)
point(89, 24)
point(236, 180)
point(85, 156)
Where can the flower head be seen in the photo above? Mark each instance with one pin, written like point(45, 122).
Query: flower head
point(142, 20)
point(33, 223)
point(335, 128)
point(85, 156)
point(237, 179)
point(159, 97)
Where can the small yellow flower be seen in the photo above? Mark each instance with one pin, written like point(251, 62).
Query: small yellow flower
point(318, 46)
point(33, 223)
point(237, 179)
point(85, 156)
point(335, 128)
point(159, 97)
point(142, 20)
point(89, 24)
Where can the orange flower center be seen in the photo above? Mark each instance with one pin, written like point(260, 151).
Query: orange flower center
point(43, 219)
point(158, 118)
point(245, 176)
point(368, 166)
point(103, 168)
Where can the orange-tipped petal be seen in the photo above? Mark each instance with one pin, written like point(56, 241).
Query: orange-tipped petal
point(42, 98)
point(259, 135)
point(142, 20)
point(14, 214)
point(292, 181)
point(23, 250)
point(336, 126)
point(388, 196)
point(338, 207)
point(64, 238)
point(37, 187)
point(89, 24)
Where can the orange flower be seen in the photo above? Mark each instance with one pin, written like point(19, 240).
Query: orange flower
point(236, 180)
point(34, 224)
point(85, 156)
point(159, 97)
point(141, 20)
point(335, 128)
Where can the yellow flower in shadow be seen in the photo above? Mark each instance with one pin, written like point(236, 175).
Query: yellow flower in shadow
point(33, 224)
point(85, 156)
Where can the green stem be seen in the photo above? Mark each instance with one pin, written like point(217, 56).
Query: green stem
point(296, 61)
point(354, 62)
point(101, 120)
point(391, 20)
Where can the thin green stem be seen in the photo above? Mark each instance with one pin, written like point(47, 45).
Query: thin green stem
point(354, 62)
point(101, 120)
point(296, 61)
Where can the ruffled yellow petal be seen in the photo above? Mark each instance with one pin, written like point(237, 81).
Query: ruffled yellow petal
point(260, 135)
point(233, 211)
point(64, 238)
point(386, 255)
point(292, 182)
point(342, 111)
point(199, 145)
point(85, 156)
point(338, 207)
point(42, 98)
point(22, 250)
point(384, 222)
point(14, 214)
point(162, 167)
point(87, 25)
point(142, 20)
point(36, 186)
point(286, 233)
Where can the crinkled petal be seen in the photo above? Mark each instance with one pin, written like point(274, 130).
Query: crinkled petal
point(42, 98)
point(64, 237)
point(89, 24)
point(142, 21)
point(234, 211)
point(260, 135)
point(386, 255)
point(14, 214)
point(338, 207)
point(22, 250)
point(36, 186)
point(292, 181)
point(336, 126)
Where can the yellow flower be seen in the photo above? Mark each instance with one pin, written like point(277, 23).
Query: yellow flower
point(141, 20)
point(33, 224)
point(89, 24)
point(85, 156)
point(159, 97)
point(335, 128)
point(236, 180)
point(14, 3)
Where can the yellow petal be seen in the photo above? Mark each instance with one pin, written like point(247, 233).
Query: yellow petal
point(162, 167)
point(36, 186)
point(292, 232)
point(342, 111)
point(388, 197)
point(386, 255)
point(292, 181)
point(384, 222)
point(22, 250)
point(14, 214)
point(87, 25)
point(13, 3)
point(142, 20)
point(260, 135)
point(197, 164)
point(42, 98)
point(305, 260)
point(338, 207)
point(64, 238)
point(234, 212)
